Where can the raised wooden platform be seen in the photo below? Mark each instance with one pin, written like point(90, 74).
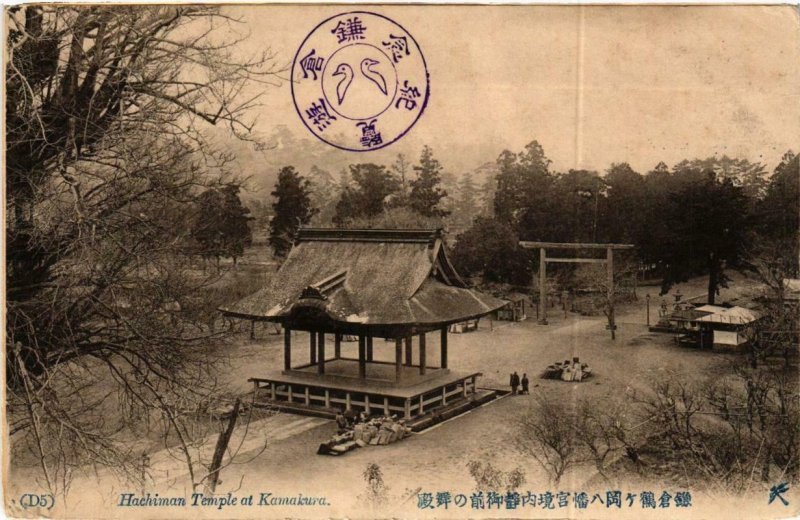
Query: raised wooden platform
point(414, 395)
point(343, 373)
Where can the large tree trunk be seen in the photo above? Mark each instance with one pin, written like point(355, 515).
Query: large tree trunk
point(222, 444)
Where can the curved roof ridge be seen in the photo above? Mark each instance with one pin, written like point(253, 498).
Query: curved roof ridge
point(416, 236)
point(382, 277)
point(449, 269)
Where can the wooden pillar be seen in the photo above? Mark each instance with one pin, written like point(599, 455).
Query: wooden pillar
point(327, 398)
point(369, 347)
point(542, 286)
point(422, 404)
point(272, 391)
point(312, 347)
point(321, 353)
point(347, 401)
point(386, 406)
point(398, 359)
point(443, 355)
point(337, 345)
point(408, 409)
point(444, 395)
point(308, 396)
point(422, 353)
point(409, 351)
point(362, 361)
point(366, 404)
point(287, 349)
point(289, 388)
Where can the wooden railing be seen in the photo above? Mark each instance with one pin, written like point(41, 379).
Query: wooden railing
point(299, 393)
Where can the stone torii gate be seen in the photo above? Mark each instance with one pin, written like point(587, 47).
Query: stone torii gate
point(543, 261)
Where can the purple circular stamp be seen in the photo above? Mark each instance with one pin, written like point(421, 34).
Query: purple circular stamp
point(359, 81)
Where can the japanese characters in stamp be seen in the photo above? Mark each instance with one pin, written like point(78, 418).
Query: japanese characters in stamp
point(359, 81)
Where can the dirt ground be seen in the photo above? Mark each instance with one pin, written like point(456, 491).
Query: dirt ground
point(623, 365)
point(436, 460)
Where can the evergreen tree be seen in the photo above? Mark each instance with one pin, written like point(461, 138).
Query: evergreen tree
point(778, 214)
point(575, 206)
point(237, 229)
point(661, 168)
point(400, 170)
point(467, 205)
point(222, 226)
point(345, 184)
point(426, 192)
point(523, 197)
point(490, 249)
point(292, 208)
point(488, 190)
point(707, 229)
point(751, 177)
point(347, 209)
point(626, 200)
point(323, 194)
point(655, 230)
point(373, 186)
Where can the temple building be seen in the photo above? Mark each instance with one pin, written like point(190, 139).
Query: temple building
point(391, 290)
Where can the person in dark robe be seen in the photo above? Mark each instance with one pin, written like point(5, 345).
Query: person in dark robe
point(341, 422)
point(514, 383)
point(525, 384)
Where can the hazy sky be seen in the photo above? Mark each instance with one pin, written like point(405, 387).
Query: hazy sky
point(594, 85)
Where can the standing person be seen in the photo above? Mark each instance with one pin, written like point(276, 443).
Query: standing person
point(341, 422)
point(511, 382)
point(525, 384)
point(514, 383)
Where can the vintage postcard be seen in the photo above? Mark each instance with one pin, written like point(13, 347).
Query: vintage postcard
point(401, 261)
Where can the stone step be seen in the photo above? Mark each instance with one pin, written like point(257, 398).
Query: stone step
point(452, 409)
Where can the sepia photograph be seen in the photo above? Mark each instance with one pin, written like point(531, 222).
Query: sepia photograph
point(401, 261)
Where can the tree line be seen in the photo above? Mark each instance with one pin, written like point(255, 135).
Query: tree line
point(699, 217)
point(368, 195)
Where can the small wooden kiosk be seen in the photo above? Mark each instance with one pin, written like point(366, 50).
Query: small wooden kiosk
point(396, 285)
point(514, 310)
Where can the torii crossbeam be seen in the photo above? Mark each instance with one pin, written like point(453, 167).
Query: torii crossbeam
point(543, 260)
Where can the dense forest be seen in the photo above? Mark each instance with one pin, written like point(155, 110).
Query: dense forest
point(698, 217)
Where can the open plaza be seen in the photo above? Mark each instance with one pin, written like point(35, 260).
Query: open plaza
point(276, 441)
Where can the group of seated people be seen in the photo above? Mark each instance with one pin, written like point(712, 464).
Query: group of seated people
point(349, 418)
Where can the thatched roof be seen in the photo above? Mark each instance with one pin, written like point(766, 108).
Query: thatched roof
point(368, 278)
